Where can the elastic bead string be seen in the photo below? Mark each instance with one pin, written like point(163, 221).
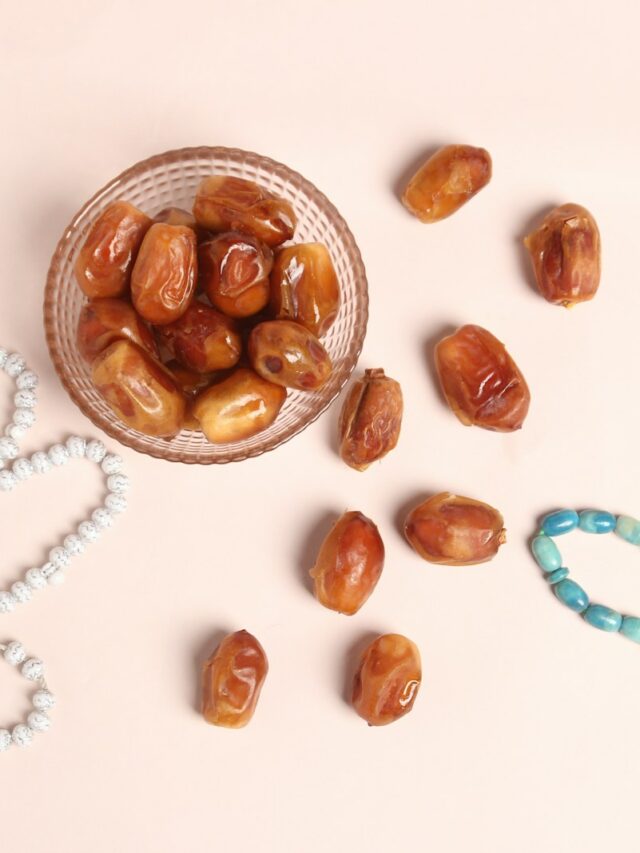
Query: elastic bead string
point(567, 591)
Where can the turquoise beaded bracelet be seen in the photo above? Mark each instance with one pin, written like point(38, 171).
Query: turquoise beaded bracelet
point(571, 594)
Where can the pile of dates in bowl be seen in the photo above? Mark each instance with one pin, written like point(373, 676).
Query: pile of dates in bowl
point(215, 327)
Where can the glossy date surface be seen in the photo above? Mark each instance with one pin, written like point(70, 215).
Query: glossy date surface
point(370, 420)
point(103, 321)
point(234, 273)
point(202, 339)
point(232, 679)
point(289, 355)
point(388, 679)
point(304, 287)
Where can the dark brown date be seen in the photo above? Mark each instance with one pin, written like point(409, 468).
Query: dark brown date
point(370, 419)
point(289, 355)
point(103, 321)
point(104, 264)
point(304, 287)
point(163, 280)
point(234, 273)
point(388, 679)
point(202, 339)
point(139, 390)
point(349, 564)
point(225, 203)
point(232, 679)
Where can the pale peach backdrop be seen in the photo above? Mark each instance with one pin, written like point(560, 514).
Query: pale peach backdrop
point(525, 735)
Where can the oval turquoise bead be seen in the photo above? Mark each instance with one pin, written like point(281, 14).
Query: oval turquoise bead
point(603, 618)
point(558, 575)
point(596, 521)
point(562, 521)
point(572, 595)
point(546, 553)
point(628, 529)
point(631, 628)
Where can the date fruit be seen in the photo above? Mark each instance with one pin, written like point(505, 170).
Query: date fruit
point(448, 179)
point(226, 203)
point(139, 390)
point(388, 679)
point(103, 321)
point(481, 381)
point(455, 531)
point(238, 407)
point(232, 679)
point(304, 287)
point(202, 339)
point(234, 273)
point(349, 563)
point(370, 420)
point(105, 261)
point(565, 253)
point(163, 280)
point(176, 216)
point(288, 354)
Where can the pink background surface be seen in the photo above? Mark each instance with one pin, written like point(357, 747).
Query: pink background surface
point(525, 735)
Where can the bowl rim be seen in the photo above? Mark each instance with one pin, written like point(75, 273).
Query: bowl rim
point(167, 453)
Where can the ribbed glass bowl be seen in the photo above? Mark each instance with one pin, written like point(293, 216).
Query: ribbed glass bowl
point(171, 179)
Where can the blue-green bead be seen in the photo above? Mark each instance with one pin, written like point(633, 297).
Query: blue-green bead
point(546, 553)
point(603, 617)
point(572, 595)
point(596, 521)
point(631, 628)
point(628, 529)
point(562, 521)
point(558, 575)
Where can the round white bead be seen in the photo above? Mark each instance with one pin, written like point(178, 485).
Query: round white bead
point(33, 669)
point(5, 740)
point(8, 481)
point(96, 451)
point(21, 591)
point(24, 417)
point(35, 579)
point(38, 721)
point(76, 446)
point(22, 735)
point(102, 518)
point(15, 653)
point(59, 556)
point(7, 602)
point(14, 365)
point(47, 570)
point(15, 431)
point(43, 700)
point(112, 463)
point(41, 462)
point(25, 399)
point(115, 503)
point(88, 531)
point(27, 381)
point(119, 484)
point(58, 454)
point(3, 357)
point(73, 544)
point(56, 579)
point(8, 448)
point(22, 468)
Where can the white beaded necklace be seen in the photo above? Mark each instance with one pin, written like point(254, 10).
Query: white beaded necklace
point(42, 700)
point(22, 468)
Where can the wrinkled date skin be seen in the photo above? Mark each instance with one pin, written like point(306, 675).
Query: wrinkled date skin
point(232, 679)
point(163, 280)
point(388, 679)
point(139, 390)
point(226, 203)
point(104, 265)
point(289, 355)
point(238, 407)
point(565, 253)
point(455, 531)
point(176, 216)
point(370, 420)
point(304, 287)
point(103, 321)
point(202, 339)
point(448, 179)
point(234, 273)
point(481, 381)
point(349, 564)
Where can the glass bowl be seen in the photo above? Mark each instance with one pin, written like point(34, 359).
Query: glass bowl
point(171, 179)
